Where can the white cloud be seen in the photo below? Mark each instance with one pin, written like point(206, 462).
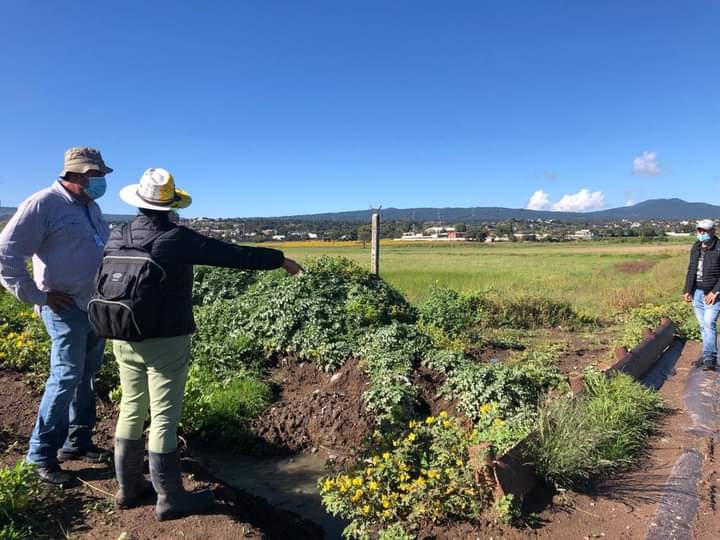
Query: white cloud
point(646, 164)
point(539, 201)
point(582, 201)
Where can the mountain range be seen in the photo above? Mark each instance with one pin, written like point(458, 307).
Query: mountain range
point(667, 209)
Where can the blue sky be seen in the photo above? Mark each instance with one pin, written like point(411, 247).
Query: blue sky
point(284, 107)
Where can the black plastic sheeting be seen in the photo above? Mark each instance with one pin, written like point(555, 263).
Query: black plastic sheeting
point(676, 511)
point(678, 506)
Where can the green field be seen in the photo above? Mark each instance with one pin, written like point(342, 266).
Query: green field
point(598, 278)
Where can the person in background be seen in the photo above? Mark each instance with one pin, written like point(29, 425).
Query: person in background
point(61, 228)
point(702, 288)
point(153, 371)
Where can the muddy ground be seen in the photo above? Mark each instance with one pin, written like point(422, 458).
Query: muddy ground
point(86, 511)
point(323, 413)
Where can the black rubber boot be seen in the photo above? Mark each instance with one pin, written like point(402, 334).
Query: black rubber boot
point(173, 501)
point(129, 461)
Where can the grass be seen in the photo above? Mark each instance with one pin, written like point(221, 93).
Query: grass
point(593, 277)
point(599, 432)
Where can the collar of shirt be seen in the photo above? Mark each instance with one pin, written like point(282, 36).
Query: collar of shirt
point(61, 190)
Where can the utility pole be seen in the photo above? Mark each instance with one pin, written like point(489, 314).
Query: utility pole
point(375, 242)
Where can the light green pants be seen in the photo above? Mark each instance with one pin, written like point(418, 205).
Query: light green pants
point(152, 375)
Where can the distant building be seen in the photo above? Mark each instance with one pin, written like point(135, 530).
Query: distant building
point(582, 234)
point(278, 237)
point(434, 234)
point(673, 233)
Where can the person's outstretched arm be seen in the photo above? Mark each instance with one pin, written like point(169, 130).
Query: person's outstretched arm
point(200, 249)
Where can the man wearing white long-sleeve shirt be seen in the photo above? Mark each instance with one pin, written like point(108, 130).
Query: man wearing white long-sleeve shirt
point(61, 228)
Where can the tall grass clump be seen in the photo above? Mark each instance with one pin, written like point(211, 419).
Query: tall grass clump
point(602, 430)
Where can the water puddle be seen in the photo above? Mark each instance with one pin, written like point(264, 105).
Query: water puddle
point(289, 483)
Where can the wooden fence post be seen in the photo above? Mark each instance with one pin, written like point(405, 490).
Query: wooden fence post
point(375, 243)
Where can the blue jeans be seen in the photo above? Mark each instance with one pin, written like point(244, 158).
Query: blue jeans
point(707, 316)
point(67, 410)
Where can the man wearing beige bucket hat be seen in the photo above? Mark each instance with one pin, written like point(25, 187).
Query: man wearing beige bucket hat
point(154, 352)
point(62, 229)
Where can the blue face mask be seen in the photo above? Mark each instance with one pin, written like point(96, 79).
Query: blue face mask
point(97, 186)
point(704, 237)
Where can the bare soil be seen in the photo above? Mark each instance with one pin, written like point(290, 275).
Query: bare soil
point(86, 511)
point(323, 411)
point(316, 410)
point(635, 267)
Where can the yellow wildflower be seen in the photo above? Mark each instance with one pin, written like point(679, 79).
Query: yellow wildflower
point(357, 495)
point(447, 423)
point(486, 408)
point(328, 484)
point(412, 424)
point(432, 474)
point(373, 486)
point(357, 481)
point(429, 420)
point(366, 509)
point(386, 456)
point(411, 437)
point(443, 414)
point(499, 422)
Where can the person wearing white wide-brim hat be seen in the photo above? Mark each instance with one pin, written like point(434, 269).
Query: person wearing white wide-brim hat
point(153, 371)
point(156, 191)
point(702, 288)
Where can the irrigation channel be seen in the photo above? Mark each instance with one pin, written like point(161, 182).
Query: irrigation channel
point(289, 483)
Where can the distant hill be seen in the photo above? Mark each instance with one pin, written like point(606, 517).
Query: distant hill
point(650, 209)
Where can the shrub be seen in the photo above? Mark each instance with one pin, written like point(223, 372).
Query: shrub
point(635, 321)
point(602, 430)
point(321, 315)
point(221, 344)
point(527, 313)
point(211, 284)
point(447, 310)
point(424, 476)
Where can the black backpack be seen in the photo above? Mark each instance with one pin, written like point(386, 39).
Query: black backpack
point(127, 299)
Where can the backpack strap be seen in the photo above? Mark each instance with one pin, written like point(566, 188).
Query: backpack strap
point(130, 243)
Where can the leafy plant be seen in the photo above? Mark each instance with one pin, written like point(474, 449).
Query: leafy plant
point(211, 284)
point(389, 355)
point(636, 320)
point(423, 476)
point(22, 510)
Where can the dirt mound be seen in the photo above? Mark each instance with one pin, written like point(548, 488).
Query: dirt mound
point(635, 267)
point(317, 410)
